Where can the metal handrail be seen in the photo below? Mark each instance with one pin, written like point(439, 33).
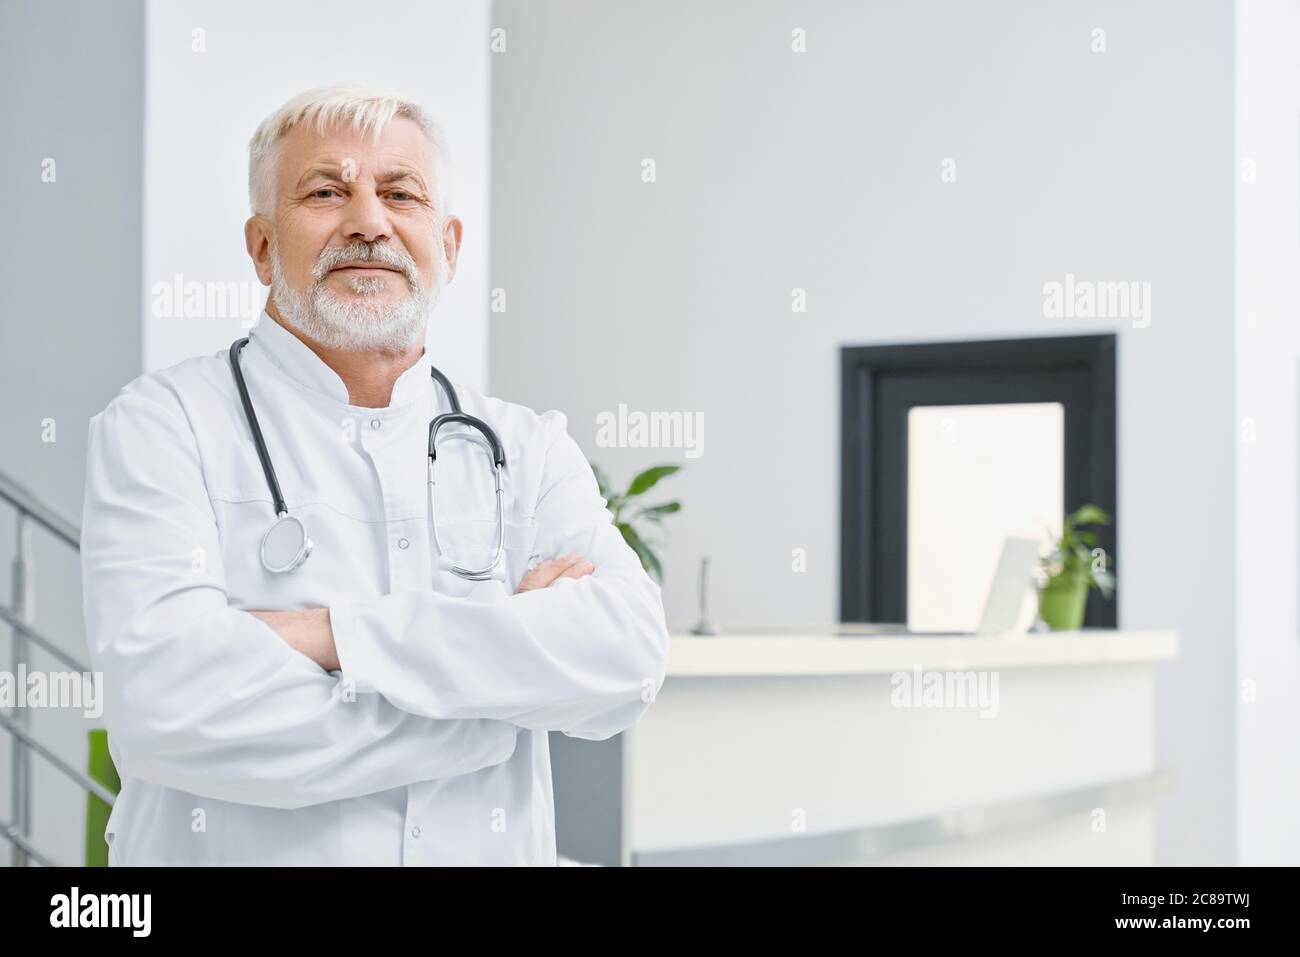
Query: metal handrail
point(30, 633)
point(28, 504)
point(14, 835)
point(18, 617)
point(85, 780)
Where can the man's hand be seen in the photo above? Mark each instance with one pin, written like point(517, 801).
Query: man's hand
point(307, 632)
point(552, 570)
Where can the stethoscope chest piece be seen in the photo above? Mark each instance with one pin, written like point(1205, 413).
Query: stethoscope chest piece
point(285, 545)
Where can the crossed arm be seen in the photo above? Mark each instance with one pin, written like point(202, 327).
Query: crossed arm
point(309, 632)
point(215, 701)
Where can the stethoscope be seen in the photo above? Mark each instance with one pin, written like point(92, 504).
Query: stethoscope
point(285, 546)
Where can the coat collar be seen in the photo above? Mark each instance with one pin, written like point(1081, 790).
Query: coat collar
point(297, 361)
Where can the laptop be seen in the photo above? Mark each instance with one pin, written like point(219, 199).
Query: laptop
point(1013, 576)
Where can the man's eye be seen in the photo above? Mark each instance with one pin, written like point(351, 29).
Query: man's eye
point(324, 192)
point(400, 196)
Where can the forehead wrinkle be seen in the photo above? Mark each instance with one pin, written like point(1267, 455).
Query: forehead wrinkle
point(388, 176)
point(399, 173)
point(320, 169)
point(334, 170)
point(338, 143)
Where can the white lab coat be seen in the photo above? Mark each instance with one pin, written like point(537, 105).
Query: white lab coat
point(431, 746)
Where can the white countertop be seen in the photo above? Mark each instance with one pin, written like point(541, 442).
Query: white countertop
point(848, 649)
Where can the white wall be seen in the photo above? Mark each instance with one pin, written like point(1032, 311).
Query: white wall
point(1268, 363)
point(202, 108)
point(71, 85)
point(821, 170)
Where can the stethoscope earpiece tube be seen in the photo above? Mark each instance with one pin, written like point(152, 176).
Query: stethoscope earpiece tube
point(464, 418)
point(263, 455)
point(457, 415)
point(452, 398)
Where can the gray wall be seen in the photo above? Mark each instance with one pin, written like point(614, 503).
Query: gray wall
point(821, 171)
point(72, 88)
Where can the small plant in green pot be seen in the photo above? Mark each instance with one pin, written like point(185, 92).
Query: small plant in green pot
point(629, 512)
point(1073, 567)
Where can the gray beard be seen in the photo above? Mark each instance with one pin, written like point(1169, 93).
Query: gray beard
point(354, 326)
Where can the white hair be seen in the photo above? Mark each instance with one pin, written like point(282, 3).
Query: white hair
point(368, 109)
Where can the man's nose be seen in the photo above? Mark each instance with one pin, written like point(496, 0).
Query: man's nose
point(366, 218)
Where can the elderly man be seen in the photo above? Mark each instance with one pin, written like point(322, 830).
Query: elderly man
point(360, 701)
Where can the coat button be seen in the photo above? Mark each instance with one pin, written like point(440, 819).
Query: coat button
point(415, 831)
point(375, 423)
point(403, 543)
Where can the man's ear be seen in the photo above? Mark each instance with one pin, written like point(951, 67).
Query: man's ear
point(451, 233)
point(257, 240)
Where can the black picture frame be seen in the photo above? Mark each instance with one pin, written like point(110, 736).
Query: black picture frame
point(879, 383)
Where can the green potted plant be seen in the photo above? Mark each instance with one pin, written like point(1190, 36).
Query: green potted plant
point(1073, 567)
point(629, 512)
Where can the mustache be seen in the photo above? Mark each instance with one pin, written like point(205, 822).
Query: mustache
point(360, 251)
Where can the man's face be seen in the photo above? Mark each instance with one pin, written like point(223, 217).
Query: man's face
point(357, 248)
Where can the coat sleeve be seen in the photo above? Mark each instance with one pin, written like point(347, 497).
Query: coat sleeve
point(204, 697)
point(585, 657)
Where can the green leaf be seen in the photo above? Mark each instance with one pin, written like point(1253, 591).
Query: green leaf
point(627, 514)
point(656, 513)
point(1104, 581)
point(649, 561)
point(649, 478)
point(630, 536)
point(612, 500)
point(1090, 515)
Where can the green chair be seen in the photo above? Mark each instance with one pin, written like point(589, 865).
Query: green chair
point(97, 809)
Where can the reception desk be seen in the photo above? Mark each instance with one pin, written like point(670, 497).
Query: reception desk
point(862, 747)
